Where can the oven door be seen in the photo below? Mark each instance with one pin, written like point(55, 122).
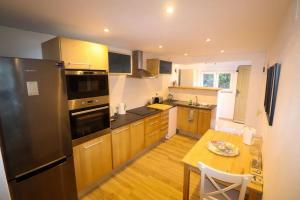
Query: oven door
point(86, 84)
point(87, 121)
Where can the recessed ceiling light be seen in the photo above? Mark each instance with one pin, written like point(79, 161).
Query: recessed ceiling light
point(222, 51)
point(106, 30)
point(160, 46)
point(170, 9)
point(208, 40)
point(185, 54)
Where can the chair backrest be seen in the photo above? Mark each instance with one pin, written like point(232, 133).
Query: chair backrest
point(236, 181)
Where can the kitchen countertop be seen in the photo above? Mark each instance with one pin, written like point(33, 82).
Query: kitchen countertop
point(122, 120)
point(128, 118)
point(186, 104)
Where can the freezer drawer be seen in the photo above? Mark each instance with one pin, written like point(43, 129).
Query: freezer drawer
point(56, 183)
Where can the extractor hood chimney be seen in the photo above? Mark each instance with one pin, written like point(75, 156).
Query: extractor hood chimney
point(138, 71)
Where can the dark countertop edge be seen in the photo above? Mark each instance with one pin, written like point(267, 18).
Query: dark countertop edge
point(128, 118)
point(131, 117)
point(175, 103)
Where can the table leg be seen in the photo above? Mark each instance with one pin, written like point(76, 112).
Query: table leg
point(186, 182)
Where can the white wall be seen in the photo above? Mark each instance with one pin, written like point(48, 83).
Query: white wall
point(19, 43)
point(281, 149)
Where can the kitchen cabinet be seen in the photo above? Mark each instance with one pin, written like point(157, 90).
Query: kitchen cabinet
point(119, 63)
point(157, 66)
point(121, 145)
point(76, 54)
point(92, 160)
point(152, 129)
point(187, 120)
point(164, 123)
point(137, 137)
point(204, 121)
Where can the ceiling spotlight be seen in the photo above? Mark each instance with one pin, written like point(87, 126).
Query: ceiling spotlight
point(208, 40)
point(185, 54)
point(222, 51)
point(106, 30)
point(170, 9)
point(160, 46)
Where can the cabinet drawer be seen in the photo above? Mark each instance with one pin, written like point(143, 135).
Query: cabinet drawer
point(152, 123)
point(153, 137)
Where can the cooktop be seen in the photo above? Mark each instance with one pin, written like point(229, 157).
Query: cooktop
point(143, 111)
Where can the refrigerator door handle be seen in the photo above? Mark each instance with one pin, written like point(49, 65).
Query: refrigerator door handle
point(40, 169)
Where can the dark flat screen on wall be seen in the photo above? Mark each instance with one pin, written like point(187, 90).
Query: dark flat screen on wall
point(119, 63)
point(165, 67)
point(272, 83)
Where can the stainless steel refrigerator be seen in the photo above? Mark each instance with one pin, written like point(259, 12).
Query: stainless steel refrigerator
point(34, 130)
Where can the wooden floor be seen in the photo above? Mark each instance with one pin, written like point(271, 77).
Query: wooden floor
point(158, 175)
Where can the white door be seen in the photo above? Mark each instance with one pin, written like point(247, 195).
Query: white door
point(241, 93)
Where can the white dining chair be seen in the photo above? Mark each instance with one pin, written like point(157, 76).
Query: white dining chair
point(212, 189)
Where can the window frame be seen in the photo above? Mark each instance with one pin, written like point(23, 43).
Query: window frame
point(216, 79)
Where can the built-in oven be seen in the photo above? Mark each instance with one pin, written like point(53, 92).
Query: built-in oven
point(88, 101)
point(87, 122)
point(86, 88)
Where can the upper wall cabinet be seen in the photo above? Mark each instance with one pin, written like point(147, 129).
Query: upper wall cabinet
point(164, 67)
point(119, 63)
point(76, 54)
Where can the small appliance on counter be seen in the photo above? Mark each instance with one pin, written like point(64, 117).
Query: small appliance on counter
point(122, 109)
point(157, 99)
point(88, 100)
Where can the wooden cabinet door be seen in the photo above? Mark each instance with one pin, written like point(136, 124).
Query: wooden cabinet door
point(204, 119)
point(92, 160)
point(98, 57)
point(121, 145)
point(152, 137)
point(75, 53)
point(137, 137)
point(187, 119)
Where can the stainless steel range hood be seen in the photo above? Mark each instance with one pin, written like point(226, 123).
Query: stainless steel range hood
point(138, 71)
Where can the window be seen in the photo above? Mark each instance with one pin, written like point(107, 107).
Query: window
point(224, 80)
point(208, 80)
point(220, 80)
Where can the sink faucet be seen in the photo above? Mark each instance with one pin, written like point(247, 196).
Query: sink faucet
point(196, 101)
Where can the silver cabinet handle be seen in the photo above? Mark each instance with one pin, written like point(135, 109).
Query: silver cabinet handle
point(154, 123)
point(138, 123)
point(78, 63)
point(88, 111)
point(91, 145)
point(150, 135)
point(124, 129)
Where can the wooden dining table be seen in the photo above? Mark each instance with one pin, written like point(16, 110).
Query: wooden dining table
point(239, 164)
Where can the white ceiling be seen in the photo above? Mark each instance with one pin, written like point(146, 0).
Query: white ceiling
point(237, 26)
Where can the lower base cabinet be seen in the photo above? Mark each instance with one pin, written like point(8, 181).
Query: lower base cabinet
point(120, 145)
point(92, 160)
point(137, 137)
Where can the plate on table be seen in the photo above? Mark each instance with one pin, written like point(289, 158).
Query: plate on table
point(223, 148)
